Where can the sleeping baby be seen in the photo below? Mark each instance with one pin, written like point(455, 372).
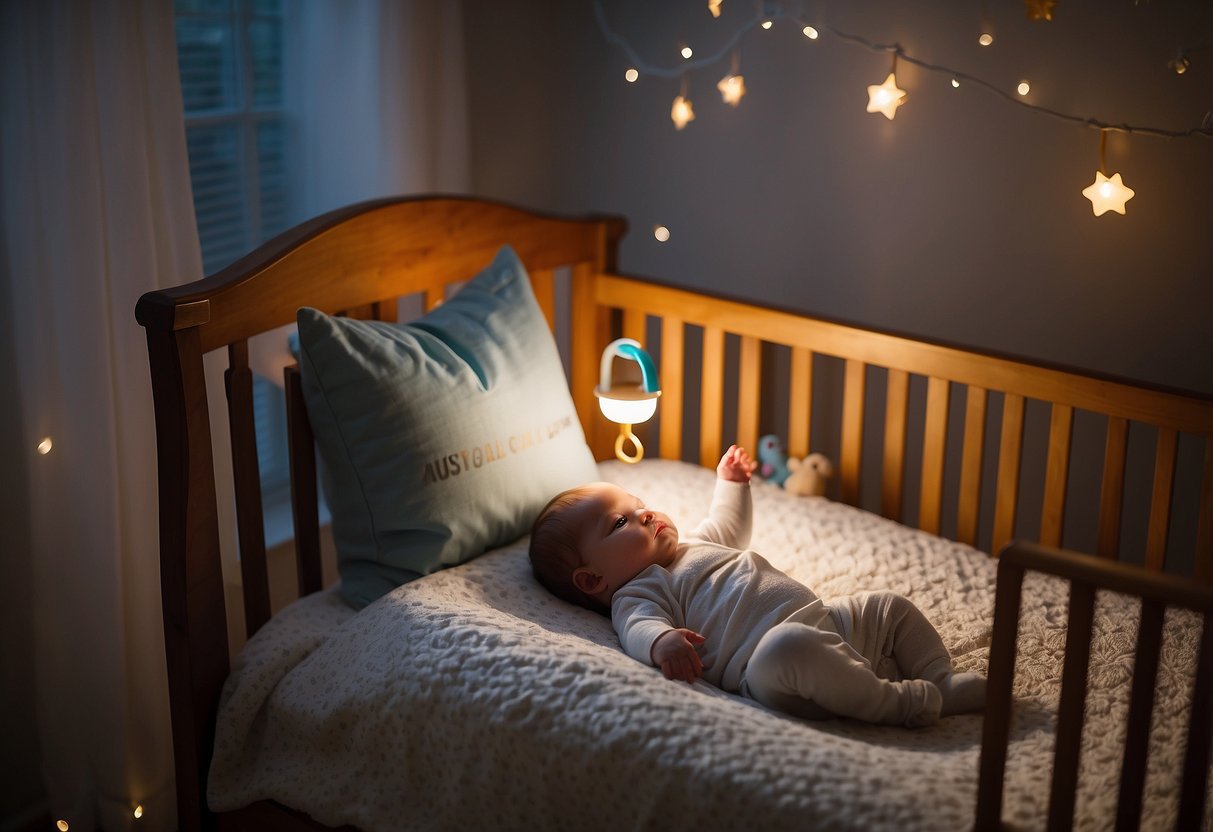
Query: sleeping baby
point(706, 606)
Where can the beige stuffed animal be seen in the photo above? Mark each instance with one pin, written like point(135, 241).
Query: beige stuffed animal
point(809, 475)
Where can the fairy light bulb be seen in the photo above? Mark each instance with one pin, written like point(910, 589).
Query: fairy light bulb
point(886, 98)
point(714, 7)
point(732, 88)
point(661, 233)
point(686, 52)
point(1106, 193)
point(44, 447)
point(682, 113)
point(986, 39)
point(1023, 88)
point(631, 75)
point(955, 84)
point(766, 24)
point(62, 825)
point(810, 32)
point(138, 813)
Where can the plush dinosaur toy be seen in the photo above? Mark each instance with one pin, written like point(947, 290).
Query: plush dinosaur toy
point(808, 476)
point(772, 459)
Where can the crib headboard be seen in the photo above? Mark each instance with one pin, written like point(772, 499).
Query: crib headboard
point(719, 359)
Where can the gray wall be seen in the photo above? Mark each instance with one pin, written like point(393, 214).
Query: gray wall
point(961, 220)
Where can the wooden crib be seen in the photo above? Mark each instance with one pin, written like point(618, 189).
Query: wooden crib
point(728, 368)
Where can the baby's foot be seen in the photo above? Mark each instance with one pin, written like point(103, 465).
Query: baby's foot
point(963, 693)
point(925, 702)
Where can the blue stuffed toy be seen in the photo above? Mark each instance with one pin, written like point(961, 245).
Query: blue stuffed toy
point(772, 459)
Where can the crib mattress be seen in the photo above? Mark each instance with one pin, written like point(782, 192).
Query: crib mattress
point(473, 699)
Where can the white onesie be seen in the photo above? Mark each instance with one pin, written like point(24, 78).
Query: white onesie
point(813, 660)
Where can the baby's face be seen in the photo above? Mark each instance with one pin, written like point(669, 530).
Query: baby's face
point(620, 538)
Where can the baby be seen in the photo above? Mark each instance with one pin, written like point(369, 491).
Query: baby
point(706, 606)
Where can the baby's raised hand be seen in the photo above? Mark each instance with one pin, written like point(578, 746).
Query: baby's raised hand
point(674, 652)
point(736, 465)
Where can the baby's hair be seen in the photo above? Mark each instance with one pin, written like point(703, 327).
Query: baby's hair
point(554, 551)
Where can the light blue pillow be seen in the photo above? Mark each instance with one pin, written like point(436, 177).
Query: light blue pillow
point(441, 438)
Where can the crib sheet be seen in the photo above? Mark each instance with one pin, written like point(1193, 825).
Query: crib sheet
point(473, 699)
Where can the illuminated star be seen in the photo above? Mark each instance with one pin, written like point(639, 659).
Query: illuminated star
point(1040, 9)
point(682, 112)
point(714, 7)
point(1107, 194)
point(885, 98)
point(732, 88)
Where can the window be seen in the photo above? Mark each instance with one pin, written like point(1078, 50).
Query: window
point(229, 54)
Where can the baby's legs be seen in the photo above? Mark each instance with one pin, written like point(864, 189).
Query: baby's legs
point(813, 673)
point(893, 634)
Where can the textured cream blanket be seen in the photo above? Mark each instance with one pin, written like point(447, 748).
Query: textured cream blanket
point(471, 699)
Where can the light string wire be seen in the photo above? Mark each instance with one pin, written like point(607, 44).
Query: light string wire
point(774, 12)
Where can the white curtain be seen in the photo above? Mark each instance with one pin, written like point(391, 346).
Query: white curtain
point(375, 95)
point(96, 210)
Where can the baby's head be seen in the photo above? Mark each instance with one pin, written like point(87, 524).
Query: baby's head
point(591, 540)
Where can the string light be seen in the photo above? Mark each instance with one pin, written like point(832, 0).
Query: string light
point(1180, 63)
point(686, 52)
point(732, 86)
point(44, 447)
point(661, 233)
point(1107, 193)
point(62, 826)
point(886, 98)
point(955, 84)
point(682, 112)
point(810, 32)
point(1023, 88)
point(714, 7)
point(631, 75)
point(138, 811)
point(767, 24)
point(1040, 9)
point(986, 39)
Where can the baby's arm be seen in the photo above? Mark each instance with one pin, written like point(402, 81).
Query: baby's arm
point(730, 519)
point(674, 652)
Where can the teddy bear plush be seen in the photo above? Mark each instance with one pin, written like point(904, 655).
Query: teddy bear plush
point(808, 477)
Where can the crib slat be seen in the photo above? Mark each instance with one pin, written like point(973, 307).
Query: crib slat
point(543, 283)
point(1068, 740)
point(671, 388)
point(970, 465)
point(1112, 490)
point(305, 506)
point(633, 325)
point(712, 397)
point(246, 475)
point(1141, 705)
point(1200, 727)
point(1204, 530)
point(1057, 469)
point(996, 727)
point(1007, 490)
point(385, 310)
point(852, 430)
point(896, 402)
point(934, 439)
point(800, 407)
point(1160, 500)
point(586, 357)
point(748, 393)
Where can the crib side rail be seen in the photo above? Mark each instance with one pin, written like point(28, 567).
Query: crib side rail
point(1087, 574)
point(1003, 386)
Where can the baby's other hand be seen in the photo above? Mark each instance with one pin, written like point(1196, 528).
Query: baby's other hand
point(736, 465)
point(674, 652)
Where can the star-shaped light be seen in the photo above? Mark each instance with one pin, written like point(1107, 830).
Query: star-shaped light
point(1040, 9)
point(886, 98)
point(714, 7)
point(1107, 194)
point(732, 88)
point(682, 112)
